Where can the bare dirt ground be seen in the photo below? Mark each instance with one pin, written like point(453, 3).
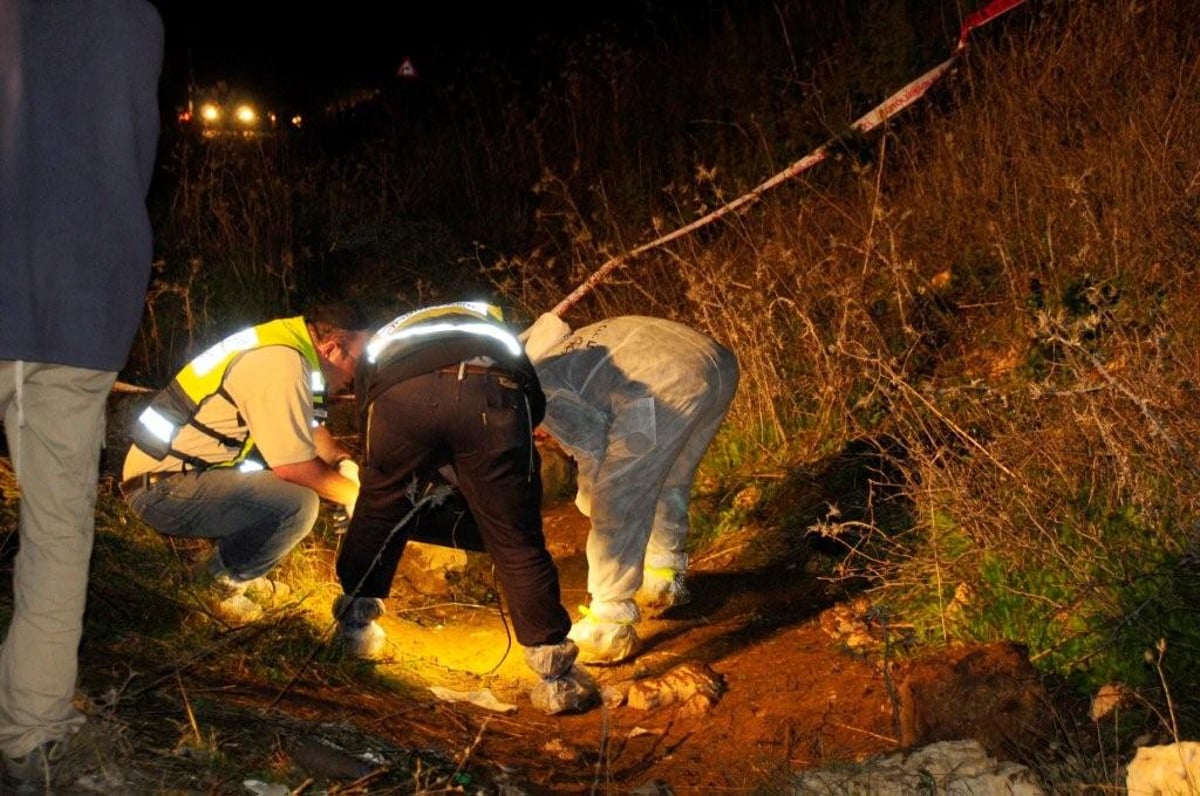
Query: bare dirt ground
point(789, 697)
point(793, 694)
point(790, 694)
point(803, 676)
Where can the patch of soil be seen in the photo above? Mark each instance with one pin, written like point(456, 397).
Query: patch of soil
point(806, 679)
point(805, 676)
point(791, 695)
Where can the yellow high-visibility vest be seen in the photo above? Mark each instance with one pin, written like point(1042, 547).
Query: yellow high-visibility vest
point(178, 404)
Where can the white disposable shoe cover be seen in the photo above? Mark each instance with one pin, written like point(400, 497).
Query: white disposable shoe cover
point(604, 642)
point(572, 692)
point(662, 590)
point(357, 631)
point(622, 611)
point(564, 687)
point(368, 642)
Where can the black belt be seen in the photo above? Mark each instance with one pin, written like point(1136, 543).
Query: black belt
point(143, 481)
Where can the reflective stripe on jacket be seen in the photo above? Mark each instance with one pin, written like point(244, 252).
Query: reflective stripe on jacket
point(434, 337)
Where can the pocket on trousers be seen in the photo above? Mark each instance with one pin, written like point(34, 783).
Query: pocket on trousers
point(634, 426)
point(503, 392)
point(506, 421)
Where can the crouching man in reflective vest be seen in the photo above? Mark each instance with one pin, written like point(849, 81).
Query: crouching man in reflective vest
point(449, 389)
point(235, 450)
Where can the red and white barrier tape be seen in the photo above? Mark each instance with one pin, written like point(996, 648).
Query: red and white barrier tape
point(867, 122)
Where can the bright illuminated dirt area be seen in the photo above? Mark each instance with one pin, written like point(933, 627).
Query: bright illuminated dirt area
point(790, 697)
point(801, 671)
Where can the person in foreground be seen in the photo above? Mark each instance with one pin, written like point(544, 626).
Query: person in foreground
point(635, 401)
point(235, 449)
point(79, 130)
point(448, 390)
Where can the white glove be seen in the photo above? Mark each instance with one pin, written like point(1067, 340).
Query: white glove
point(348, 469)
point(547, 331)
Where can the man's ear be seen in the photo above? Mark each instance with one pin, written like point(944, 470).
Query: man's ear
point(326, 347)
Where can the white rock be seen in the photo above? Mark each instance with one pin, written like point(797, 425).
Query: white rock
point(953, 768)
point(1171, 770)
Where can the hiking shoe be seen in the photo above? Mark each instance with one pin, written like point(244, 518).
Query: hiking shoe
point(662, 589)
point(357, 631)
point(229, 602)
point(266, 592)
point(93, 752)
point(603, 642)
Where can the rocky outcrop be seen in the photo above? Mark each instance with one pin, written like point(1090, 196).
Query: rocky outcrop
point(953, 768)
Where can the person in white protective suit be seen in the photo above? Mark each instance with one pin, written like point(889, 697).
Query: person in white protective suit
point(635, 401)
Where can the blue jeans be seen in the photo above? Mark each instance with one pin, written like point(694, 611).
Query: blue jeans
point(256, 518)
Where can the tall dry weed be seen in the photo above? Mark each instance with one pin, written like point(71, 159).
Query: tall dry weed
point(1035, 353)
point(996, 290)
point(1001, 285)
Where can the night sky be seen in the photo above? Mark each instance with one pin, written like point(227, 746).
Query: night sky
point(292, 56)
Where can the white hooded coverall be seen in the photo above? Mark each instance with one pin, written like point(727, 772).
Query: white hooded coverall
point(636, 401)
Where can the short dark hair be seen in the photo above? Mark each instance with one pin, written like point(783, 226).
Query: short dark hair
point(339, 315)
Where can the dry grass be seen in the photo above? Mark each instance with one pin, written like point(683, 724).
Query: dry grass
point(1000, 289)
point(996, 293)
